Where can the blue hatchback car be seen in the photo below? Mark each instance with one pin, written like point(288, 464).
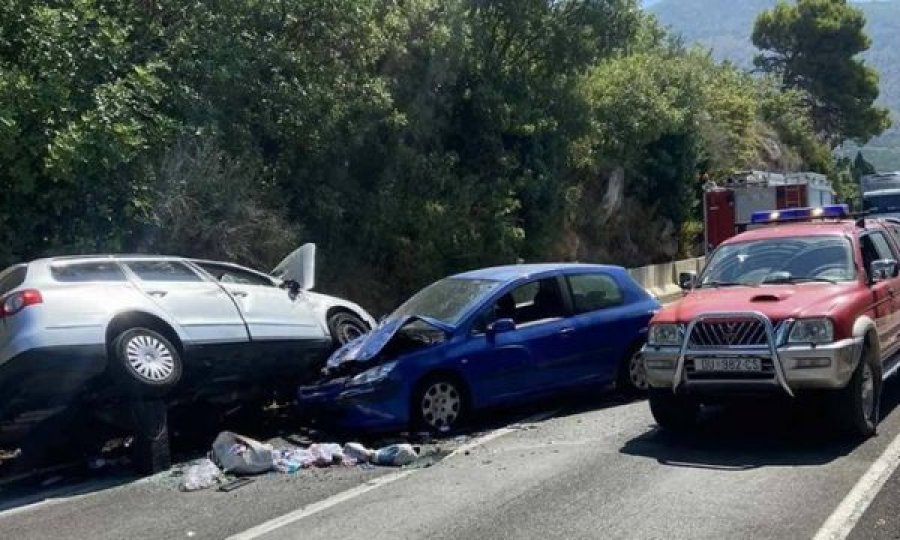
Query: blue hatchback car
point(485, 338)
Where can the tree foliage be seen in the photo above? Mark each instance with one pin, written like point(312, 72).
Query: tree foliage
point(409, 139)
point(813, 46)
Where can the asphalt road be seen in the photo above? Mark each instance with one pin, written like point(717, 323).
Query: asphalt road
point(595, 470)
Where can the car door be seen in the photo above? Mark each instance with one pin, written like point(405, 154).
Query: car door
point(604, 326)
point(510, 365)
point(886, 303)
point(203, 309)
point(271, 313)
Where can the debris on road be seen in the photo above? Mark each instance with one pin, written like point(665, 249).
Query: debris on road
point(201, 475)
point(242, 455)
point(358, 452)
point(291, 460)
point(395, 455)
point(236, 455)
point(235, 484)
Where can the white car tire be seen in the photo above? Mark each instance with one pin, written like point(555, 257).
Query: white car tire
point(345, 327)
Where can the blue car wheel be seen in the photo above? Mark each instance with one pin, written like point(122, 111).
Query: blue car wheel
point(440, 404)
point(632, 374)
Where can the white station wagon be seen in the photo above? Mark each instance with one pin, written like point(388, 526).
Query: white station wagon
point(153, 326)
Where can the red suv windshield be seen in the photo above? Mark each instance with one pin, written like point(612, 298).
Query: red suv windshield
point(781, 260)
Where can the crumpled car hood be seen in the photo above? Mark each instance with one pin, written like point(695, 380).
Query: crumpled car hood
point(368, 346)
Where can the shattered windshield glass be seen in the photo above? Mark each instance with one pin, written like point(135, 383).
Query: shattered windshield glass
point(780, 260)
point(446, 300)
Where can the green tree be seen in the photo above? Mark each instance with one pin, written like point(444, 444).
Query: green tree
point(813, 46)
point(861, 167)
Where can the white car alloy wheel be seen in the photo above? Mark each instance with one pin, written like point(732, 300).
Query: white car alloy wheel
point(150, 358)
point(637, 374)
point(441, 405)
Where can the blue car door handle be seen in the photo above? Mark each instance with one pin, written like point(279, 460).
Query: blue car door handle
point(565, 332)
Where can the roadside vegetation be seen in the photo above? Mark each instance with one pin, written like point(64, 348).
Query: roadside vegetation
point(409, 138)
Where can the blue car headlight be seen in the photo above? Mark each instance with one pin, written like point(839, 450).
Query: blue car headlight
point(373, 375)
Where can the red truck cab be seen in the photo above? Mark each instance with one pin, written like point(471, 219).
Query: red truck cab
point(808, 302)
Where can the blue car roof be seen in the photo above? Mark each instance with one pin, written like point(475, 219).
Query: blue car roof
point(516, 271)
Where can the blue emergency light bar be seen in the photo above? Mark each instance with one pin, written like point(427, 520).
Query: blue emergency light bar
point(830, 211)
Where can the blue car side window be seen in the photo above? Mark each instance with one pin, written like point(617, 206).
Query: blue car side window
point(593, 292)
point(534, 301)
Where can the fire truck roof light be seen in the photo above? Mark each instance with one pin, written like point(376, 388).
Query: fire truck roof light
point(833, 211)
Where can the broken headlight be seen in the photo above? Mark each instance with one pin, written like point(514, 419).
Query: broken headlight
point(373, 375)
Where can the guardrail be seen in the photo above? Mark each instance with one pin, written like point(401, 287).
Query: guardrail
point(662, 279)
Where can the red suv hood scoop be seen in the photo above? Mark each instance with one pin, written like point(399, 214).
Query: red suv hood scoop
point(768, 297)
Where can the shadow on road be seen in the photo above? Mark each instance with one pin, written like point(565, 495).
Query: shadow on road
point(753, 435)
point(193, 429)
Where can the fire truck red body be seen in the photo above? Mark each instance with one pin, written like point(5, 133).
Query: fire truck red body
point(727, 207)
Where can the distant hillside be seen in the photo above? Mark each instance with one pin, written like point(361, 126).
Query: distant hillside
point(725, 26)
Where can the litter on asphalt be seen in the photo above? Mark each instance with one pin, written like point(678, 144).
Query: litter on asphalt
point(239, 455)
point(395, 455)
point(201, 475)
point(242, 455)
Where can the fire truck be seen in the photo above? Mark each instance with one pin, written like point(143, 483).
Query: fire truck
point(728, 206)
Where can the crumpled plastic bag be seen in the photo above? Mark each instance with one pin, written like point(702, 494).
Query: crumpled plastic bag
point(325, 454)
point(242, 455)
point(395, 455)
point(290, 460)
point(200, 475)
point(358, 453)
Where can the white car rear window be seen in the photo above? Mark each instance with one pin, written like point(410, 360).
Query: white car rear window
point(12, 277)
point(163, 271)
point(87, 272)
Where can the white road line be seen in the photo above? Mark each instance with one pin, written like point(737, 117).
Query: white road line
point(315, 508)
point(344, 496)
point(841, 522)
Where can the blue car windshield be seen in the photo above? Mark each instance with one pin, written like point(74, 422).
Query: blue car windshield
point(446, 300)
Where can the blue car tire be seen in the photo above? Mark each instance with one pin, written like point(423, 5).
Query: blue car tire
point(439, 403)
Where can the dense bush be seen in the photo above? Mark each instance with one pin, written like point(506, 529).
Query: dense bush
point(408, 138)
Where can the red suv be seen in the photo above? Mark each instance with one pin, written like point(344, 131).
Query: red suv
point(808, 301)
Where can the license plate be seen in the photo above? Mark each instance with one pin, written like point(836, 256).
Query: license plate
point(727, 364)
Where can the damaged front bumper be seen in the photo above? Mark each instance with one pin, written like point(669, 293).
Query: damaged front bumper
point(380, 406)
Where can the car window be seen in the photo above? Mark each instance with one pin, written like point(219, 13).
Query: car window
point(535, 301)
point(446, 300)
point(773, 260)
point(895, 231)
point(883, 246)
point(874, 246)
point(229, 274)
point(592, 292)
point(163, 271)
point(12, 277)
point(84, 272)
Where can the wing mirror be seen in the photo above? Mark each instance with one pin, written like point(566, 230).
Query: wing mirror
point(292, 287)
point(500, 326)
point(687, 280)
point(883, 269)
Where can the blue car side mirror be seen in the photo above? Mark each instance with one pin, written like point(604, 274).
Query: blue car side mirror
point(500, 326)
